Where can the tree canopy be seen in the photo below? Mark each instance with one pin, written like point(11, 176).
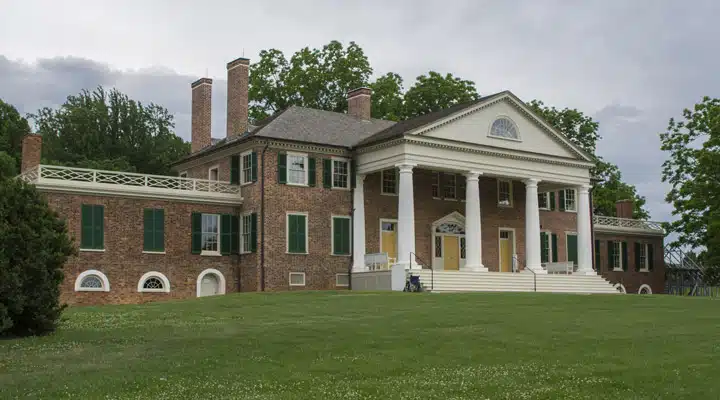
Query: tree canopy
point(693, 171)
point(13, 128)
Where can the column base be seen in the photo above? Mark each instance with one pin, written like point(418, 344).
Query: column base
point(585, 272)
point(474, 268)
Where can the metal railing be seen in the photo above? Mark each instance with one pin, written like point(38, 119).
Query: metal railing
point(516, 261)
point(423, 264)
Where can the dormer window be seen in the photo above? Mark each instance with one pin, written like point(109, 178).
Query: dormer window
point(504, 128)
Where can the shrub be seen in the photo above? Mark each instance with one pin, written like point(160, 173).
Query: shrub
point(34, 247)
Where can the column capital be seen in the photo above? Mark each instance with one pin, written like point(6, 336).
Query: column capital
point(359, 178)
point(584, 188)
point(472, 175)
point(405, 167)
point(531, 182)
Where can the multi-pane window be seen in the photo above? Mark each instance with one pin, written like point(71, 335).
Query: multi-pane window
point(297, 233)
point(245, 232)
point(340, 173)
point(92, 235)
point(297, 169)
point(436, 185)
point(545, 247)
point(462, 247)
point(544, 201)
point(210, 231)
point(438, 246)
point(214, 174)
point(570, 202)
point(341, 236)
point(462, 187)
point(247, 165)
point(154, 230)
point(504, 193)
point(389, 181)
point(297, 279)
point(450, 186)
point(642, 256)
point(504, 128)
point(617, 255)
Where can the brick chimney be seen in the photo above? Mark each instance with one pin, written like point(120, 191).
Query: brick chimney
point(31, 152)
point(201, 114)
point(359, 102)
point(624, 208)
point(238, 80)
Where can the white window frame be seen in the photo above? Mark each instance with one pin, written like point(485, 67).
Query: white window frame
point(510, 193)
point(183, 174)
point(382, 182)
point(646, 265)
point(646, 287)
point(546, 195)
point(574, 192)
point(210, 170)
point(212, 271)
point(332, 235)
point(247, 154)
point(243, 234)
point(154, 274)
point(288, 164)
point(202, 235)
point(287, 231)
point(454, 187)
point(617, 252)
point(333, 160)
point(92, 272)
point(290, 275)
point(337, 280)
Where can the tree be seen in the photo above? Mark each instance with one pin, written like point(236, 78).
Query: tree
point(692, 170)
point(13, 128)
point(7, 166)
point(316, 78)
point(434, 92)
point(35, 247)
point(108, 130)
point(387, 97)
point(583, 132)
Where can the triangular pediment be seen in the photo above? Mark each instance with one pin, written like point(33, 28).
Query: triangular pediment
point(503, 122)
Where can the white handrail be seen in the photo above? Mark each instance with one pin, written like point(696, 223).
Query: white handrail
point(627, 223)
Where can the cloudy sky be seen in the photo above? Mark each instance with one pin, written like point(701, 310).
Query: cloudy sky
point(631, 64)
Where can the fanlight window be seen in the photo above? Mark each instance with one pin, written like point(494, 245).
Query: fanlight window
point(449, 227)
point(91, 282)
point(504, 128)
point(153, 283)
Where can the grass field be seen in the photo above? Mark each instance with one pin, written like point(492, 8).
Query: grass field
point(344, 345)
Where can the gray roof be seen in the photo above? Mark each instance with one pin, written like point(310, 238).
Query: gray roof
point(321, 127)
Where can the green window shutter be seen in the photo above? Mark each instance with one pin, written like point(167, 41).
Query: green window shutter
point(554, 248)
point(253, 166)
point(337, 236)
point(351, 171)
point(650, 256)
point(611, 254)
point(327, 173)
point(234, 234)
point(597, 255)
point(86, 231)
point(160, 229)
point(341, 236)
point(253, 232)
point(624, 256)
point(311, 172)
point(148, 230)
point(196, 229)
point(552, 201)
point(637, 256)
point(301, 233)
point(99, 227)
point(225, 234)
point(561, 194)
point(572, 248)
point(235, 170)
point(282, 168)
point(543, 247)
point(296, 234)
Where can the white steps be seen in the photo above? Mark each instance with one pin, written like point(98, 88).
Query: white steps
point(466, 281)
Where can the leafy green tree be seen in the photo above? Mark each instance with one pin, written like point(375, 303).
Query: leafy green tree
point(35, 245)
point(315, 78)
point(434, 92)
point(583, 132)
point(108, 130)
point(7, 166)
point(387, 97)
point(693, 171)
point(13, 128)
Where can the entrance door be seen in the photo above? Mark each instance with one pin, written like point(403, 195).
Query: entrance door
point(388, 241)
point(451, 248)
point(506, 251)
point(209, 285)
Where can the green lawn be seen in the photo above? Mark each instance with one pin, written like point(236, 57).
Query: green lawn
point(340, 345)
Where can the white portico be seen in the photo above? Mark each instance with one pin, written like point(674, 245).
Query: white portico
point(497, 137)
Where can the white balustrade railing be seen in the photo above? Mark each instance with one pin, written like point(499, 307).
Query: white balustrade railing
point(627, 223)
point(50, 172)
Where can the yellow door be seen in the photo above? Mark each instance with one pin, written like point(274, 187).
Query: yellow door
point(388, 242)
point(506, 249)
point(451, 260)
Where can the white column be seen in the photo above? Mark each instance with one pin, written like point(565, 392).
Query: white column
point(473, 232)
point(584, 232)
point(532, 226)
point(406, 216)
point(359, 224)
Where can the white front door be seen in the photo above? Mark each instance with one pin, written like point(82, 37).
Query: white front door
point(209, 286)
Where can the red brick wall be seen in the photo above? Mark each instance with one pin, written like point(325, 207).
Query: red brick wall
point(201, 114)
point(632, 279)
point(123, 261)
